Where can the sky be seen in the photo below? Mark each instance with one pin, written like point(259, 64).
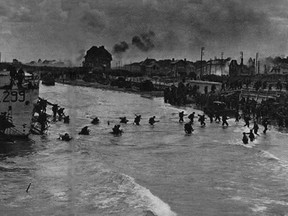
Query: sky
point(133, 30)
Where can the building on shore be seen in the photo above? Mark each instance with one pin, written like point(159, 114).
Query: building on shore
point(215, 66)
point(182, 67)
point(236, 69)
point(97, 58)
point(204, 86)
point(280, 69)
point(149, 66)
point(170, 67)
point(133, 67)
point(218, 67)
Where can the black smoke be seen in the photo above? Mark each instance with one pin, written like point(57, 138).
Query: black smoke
point(182, 27)
point(144, 42)
point(120, 47)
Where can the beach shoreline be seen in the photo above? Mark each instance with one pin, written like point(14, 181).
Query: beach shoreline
point(97, 85)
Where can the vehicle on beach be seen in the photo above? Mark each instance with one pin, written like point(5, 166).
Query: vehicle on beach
point(18, 94)
point(48, 80)
point(220, 108)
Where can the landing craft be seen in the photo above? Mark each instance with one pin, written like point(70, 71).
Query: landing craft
point(18, 93)
point(48, 80)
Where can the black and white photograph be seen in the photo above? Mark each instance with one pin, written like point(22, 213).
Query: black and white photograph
point(144, 107)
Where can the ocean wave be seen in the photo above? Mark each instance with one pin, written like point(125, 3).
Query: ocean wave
point(119, 194)
point(239, 142)
point(258, 208)
point(255, 204)
point(268, 155)
point(12, 167)
point(259, 205)
point(155, 205)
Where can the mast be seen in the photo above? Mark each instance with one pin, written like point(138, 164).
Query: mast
point(201, 55)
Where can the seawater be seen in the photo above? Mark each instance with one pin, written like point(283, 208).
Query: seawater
point(149, 170)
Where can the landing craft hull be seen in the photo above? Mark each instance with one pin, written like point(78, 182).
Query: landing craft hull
point(17, 103)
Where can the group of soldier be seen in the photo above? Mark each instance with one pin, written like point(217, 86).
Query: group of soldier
point(201, 118)
point(57, 111)
point(42, 119)
point(187, 126)
point(115, 130)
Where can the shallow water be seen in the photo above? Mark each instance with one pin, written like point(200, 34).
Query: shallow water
point(148, 170)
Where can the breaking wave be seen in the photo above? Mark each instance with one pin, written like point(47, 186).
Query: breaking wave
point(268, 155)
point(155, 206)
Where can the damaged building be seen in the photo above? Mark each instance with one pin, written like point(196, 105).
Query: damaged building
point(97, 58)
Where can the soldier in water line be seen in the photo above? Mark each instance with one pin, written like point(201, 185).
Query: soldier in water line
point(255, 128)
point(224, 120)
point(60, 113)
point(55, 110)
point(95, 121)
point(181, 117)
point(65, 137)
point(188, 128)
point(246, 120)
point(123, 120)
point(251, 135)
point(84, 131)
point(245, 138)
point(66, 119)
point(191, 117)
point(137, 119)
point(152, 120)
point(265, 124)
point(237, 116)
point(116, 130)
point(202, 120)
point(217, 117)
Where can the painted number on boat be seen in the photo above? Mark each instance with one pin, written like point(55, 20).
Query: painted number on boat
point(13, 96)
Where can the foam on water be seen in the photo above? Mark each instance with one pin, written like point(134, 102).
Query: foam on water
point(271, 157)
point(268, 155)
point(259, 208)
point(259, 205)
point(239, 142)
point(241, 130)
point(255, 205)
point(155, 204)
point(277, 202)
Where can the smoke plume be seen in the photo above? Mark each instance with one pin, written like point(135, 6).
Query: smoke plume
point(60, 28)
point(144, 42)
point(120, 47)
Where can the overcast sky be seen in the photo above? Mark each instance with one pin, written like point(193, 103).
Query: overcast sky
point(64, 29)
